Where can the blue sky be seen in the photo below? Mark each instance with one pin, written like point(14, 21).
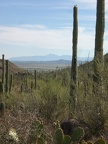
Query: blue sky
point(40, 27)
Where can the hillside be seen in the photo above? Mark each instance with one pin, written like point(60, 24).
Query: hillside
point(12, 67)
point(86, 64)
point(106, 58)
point(48, 102)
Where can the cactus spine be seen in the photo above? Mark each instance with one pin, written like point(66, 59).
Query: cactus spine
point(74, 70)
point(7, 76)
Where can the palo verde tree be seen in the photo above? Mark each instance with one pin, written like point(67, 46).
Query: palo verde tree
point(74, 69)
point(98, 63)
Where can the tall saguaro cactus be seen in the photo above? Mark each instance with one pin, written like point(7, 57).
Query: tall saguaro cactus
point(74, 70)
point(11, 82)
point(1, 89)
point(35, 74)
point(3, 70)
point(98, 57)
point(7, 76)
point(26, 78)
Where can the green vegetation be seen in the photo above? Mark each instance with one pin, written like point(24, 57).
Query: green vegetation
point(38, 102)
point(49, 102)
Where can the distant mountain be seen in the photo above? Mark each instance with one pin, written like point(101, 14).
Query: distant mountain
point(49, 57)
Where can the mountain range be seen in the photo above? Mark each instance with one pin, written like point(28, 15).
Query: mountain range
point(49, 57)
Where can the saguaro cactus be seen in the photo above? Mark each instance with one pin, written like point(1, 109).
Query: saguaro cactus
point(98, 57)
point(26, 75)
point(74, 70)
point(11, 82)
point(3, 68)
point(31, 85)
point(3, 72)
point(7, 76)
point(22, 87)
point(2, 108)
point(1, 88)
point(35, 78)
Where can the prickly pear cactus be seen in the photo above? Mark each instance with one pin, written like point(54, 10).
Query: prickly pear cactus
point(38, 125)
point(67, 140)
point(40, 140)
point(77, 134)
point(59, 136)
point(83, 142)
point(100, 141)
point(89, 142)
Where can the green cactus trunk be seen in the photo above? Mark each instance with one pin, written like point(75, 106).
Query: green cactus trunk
point(21, 87)
point(2, 108)
point(35, 74)
point(11, 82)
point(1, 91)
point(3, 70)
point(31, 85)
point(98, 63)
point(27, 78)
point(7, 76)
point(74, 69)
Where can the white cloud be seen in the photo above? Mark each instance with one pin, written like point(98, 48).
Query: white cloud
point(87, 17)
point(28, 26)
point(43, 38)
point(39, 36)
point(19, 3)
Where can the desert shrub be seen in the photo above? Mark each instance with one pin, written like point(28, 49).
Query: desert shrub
point(52, 99)
point(37, 132)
